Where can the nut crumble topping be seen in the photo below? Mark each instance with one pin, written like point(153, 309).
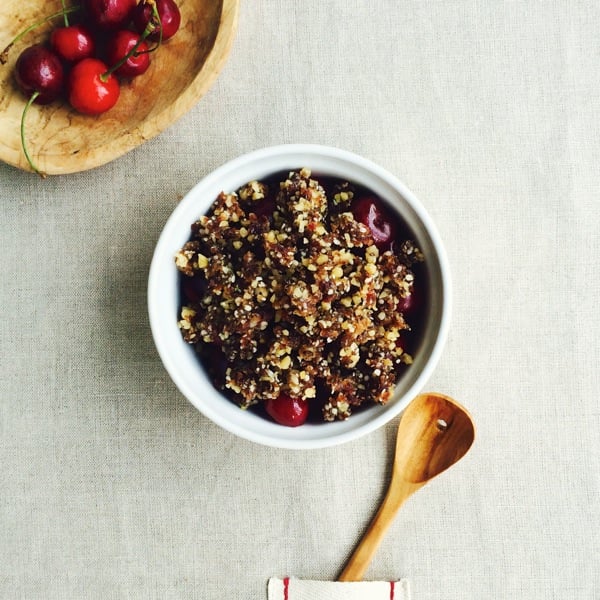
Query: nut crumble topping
point(298, 300)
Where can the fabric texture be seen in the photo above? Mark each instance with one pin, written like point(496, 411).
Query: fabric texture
point(114, 487)
point(297, 589)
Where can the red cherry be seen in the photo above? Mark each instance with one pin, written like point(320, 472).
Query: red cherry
point(39, 74)
point(287, 411)
point(370, 211)
point(170, 18)
point(39, 70)
point(109, 14)
point(72, 43)
point(91, 90)
point(411, 303)
point(121, 44)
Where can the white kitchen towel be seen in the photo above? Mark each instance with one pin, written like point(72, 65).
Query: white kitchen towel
point(302, 589)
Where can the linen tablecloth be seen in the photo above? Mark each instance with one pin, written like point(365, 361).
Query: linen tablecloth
point(114, 486)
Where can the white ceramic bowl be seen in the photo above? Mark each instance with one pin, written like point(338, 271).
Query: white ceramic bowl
point(180, 359)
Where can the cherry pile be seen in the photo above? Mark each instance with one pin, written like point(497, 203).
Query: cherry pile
point(86, 58)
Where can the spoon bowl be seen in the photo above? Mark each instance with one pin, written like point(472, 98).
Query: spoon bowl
point(434, 433)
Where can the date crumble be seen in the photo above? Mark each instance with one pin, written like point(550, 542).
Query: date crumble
point(297, 299)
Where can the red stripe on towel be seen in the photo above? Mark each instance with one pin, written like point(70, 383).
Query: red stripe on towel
point(286, 585)
point(392, 586)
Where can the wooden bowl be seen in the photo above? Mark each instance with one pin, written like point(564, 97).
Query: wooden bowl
point(62, 141)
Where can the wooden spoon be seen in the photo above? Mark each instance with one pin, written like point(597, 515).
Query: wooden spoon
point(434, 433)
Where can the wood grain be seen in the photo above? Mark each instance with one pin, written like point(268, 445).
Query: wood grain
point(62, 141)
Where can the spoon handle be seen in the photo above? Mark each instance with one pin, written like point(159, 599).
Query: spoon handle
point(396, 495)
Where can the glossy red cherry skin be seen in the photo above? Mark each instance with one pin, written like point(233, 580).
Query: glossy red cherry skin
point(109, 15)
point(72, 43)
point(370, 211)
point(89, 92)
point(120, 45)
point(170, 18)
point(287, 411)
point(410, 304)
point(38, 69)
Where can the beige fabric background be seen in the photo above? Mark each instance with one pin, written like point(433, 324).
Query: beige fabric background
point(113, 486)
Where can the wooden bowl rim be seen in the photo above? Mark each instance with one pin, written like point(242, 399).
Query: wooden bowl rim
point(60, 164)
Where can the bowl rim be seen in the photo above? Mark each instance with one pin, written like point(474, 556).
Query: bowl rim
point(116, 147)
point(292, 154)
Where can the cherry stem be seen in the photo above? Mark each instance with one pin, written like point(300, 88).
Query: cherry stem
point(61, 13)
point(150, 27)
point(23, 142)
point(65, 14)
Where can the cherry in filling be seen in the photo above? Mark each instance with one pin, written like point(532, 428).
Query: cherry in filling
point(288, 411)
point(370, 211)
